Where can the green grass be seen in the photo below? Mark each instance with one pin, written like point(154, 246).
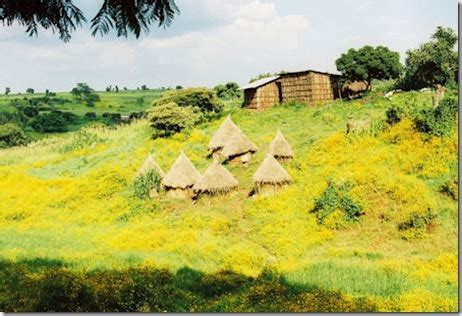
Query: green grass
point(69, 202)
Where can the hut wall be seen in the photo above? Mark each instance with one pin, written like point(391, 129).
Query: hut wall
point(179, 193)
point(262, 97)
point(270, 189)
point(241, 159)
point(308, 87)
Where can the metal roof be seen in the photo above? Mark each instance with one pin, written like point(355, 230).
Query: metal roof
point(260, 82)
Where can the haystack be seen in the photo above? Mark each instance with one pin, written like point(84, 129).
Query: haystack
point(280, 148)
point(230, 143)
point(182, 176)
point(270, 176)
point(148, 165)
point(215, 180)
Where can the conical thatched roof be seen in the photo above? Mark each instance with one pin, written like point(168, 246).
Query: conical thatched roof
point(279, 147)
point(271, 172)
point(216, 179)
point(231, 140)
point(219, 139)
point(150, 164)
point(182, 174)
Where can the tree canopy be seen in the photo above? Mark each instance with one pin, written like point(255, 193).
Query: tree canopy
point(63, 17)
point(368, 63)
point(433, 63)
point(83, 92)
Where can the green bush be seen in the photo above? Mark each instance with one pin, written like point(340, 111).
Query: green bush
point(337, 198)
point(90, 115)
point(228, 90)
point(11, 135)
point(144, 183)
point(169, 118)
point(49, 122)
point(200, 99)
point(439, 121)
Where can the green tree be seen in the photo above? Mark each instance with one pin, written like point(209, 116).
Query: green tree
point(169, 118)
point(228, 90)
point(84, 93)
point(433, 63)
point(125, 16)
point(11, 135)
point(368, 63)
point(30, 91)
point(7, 90)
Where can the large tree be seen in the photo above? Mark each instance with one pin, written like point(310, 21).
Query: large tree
point(433, 63)
point(62, 16)
point(368, 63)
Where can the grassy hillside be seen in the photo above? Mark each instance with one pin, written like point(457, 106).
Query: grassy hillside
point(68, 204)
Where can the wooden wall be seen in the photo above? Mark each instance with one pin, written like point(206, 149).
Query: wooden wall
point(262, 97)
point(310, 87)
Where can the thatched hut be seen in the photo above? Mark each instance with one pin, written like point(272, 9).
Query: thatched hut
point(180, 179)
point(148, 165)
point(151, 165)
point(270, 176)
point(230, 143)
point(354, 89)
point(280, 148)
point(216, 180)
point(309, 86)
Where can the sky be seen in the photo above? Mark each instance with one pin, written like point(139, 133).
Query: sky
point(216, 41)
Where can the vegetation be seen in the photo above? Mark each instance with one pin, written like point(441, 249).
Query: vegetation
point(228, 90)
point(144, 183)
point(74, 237)
point(434, 62)
point(64, 17)
point(11, 135)
point(369, 63)
point(84, 93)
point(169, 118)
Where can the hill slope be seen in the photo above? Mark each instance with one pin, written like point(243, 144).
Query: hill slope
point(71, 200)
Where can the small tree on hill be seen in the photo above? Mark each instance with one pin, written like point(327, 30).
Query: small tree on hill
point(84, 93)
point(368, 63)
point(30, 91)
point(433, 63)
point(7, 90)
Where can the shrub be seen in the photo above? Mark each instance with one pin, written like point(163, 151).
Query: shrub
point(168, 119)
point(200, 99)
point(451, 188)
point(438, 121)
point(11, 135)
point(416, 224)
point(144, 183)
point(69, 117)
point(111, 118)
point(49, 122)
point(228, 90)
point(90, 115)
point(336, 198)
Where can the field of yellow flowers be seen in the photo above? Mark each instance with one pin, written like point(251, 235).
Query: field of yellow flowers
point(71, 200)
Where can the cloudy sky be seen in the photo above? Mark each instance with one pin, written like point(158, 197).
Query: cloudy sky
point(214, 41)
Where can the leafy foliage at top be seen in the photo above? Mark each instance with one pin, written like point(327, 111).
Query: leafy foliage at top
point(368, 63)
point(84, 93)
point(62, 16)
point(11, 135)
point(434, 62)
point(228, 90)
point(169, 118)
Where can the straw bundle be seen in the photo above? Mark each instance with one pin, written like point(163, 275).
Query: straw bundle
point(271, 172)
point(182, 174)
point(148, 165)
point(280, 148)
point(215, 180)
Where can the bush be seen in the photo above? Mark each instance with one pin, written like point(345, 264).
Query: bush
point(90, 115)
point(168, 119)
point(201, 99)
point(451, 188)
point(228, 90)
point(335, 199)
point(144, 183)
point(69, 117)
point(49, 122)
point(438, 121)
point(111, 118)
point(11, 135)
point(416, 224)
